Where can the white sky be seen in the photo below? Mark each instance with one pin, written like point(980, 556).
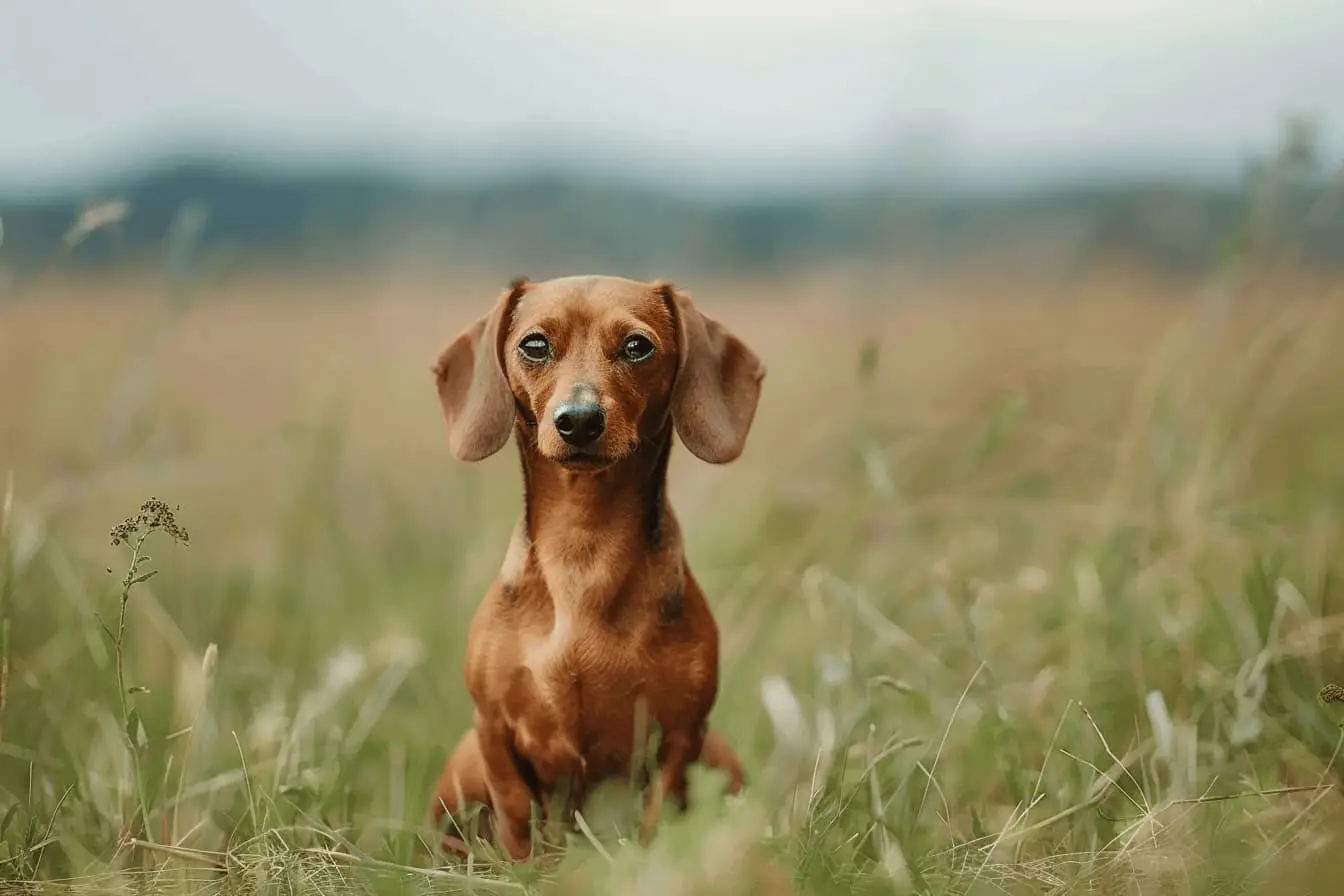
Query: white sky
point(710, 91)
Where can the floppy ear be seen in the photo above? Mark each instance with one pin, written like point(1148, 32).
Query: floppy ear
point(473, 391)
point(718, 382)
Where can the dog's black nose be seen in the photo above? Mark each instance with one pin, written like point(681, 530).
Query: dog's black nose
point(580, 424)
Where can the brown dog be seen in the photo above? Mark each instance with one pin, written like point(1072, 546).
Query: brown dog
point(595, 625)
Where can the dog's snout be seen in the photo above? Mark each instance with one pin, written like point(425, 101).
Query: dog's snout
point(580, 424)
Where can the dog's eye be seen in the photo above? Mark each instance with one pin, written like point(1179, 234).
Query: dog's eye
point(535, 348)
point(637, 348)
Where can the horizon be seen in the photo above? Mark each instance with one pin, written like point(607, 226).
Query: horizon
point(469, 173)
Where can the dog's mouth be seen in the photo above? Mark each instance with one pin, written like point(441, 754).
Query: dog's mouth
point(584, 461)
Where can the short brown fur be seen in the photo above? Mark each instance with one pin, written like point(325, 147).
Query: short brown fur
point(595, 624)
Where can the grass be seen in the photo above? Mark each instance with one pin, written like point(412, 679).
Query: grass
point(1030, 594)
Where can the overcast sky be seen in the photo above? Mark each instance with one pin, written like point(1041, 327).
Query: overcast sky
point(723, 92)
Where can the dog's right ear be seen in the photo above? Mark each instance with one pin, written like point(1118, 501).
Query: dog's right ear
point(473, 390)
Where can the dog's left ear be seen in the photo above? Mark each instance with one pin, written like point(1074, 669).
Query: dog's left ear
point(718, 382)
point(473, 390)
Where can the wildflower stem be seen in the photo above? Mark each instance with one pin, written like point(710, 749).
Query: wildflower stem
point(154, 515)
point(130, 722)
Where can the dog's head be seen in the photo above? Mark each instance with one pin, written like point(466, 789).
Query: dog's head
point(596, 365)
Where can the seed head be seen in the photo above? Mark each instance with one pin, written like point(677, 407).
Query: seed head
point(1332, 693)
point(154, 514)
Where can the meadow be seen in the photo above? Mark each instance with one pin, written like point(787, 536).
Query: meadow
point(1025, 586)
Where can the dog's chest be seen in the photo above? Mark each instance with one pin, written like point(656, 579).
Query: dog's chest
point(577, 642)
point(597, 655)
point(589, 637)
point(546, 655)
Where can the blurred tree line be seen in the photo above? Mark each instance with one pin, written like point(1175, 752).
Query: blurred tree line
point(1288, 202)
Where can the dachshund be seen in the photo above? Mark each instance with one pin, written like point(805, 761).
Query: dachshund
point(594, 636)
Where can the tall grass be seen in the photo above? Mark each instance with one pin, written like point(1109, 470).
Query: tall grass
point(1016, 595)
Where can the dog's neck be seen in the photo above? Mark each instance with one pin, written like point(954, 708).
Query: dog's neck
point(625, 502)
point(606, 543)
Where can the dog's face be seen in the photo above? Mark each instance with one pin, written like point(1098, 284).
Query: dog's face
point(596, 364)
point(591, 363)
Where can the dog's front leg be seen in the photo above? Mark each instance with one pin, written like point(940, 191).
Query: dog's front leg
point(510, 796)
point(677, 750)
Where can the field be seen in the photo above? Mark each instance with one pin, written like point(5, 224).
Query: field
point(1024, 587)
